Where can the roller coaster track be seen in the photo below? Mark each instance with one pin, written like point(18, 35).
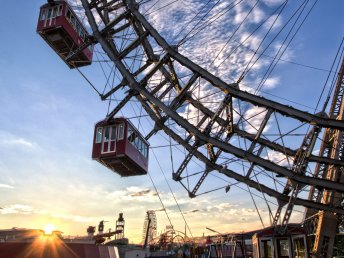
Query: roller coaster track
point(210, 137)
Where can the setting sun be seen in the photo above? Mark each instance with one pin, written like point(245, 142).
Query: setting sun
point(48, 229)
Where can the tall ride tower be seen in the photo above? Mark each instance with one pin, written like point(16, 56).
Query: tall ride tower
point(120, 227)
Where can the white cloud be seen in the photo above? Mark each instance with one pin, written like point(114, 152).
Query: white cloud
point(274, 22)
point(6, 186)
point(14, 141)
point(253, 119)
point(28, 210)
point(279, 158)
point(17, 209)
point(132, 195)
point(224, 207)
point(258, 15)
point(20, 142)
point(271, 83)
point(316, 152)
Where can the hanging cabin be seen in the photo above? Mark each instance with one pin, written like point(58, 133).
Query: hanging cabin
point(269, 244)
point(60, 27)
point(118, 145)
point(262, 243)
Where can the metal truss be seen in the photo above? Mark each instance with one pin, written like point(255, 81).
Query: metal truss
point(299, 166)
point(164, 82)
point(323, 224)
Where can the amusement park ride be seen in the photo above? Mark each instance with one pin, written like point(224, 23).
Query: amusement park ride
point(120, 146)
point(149, 228)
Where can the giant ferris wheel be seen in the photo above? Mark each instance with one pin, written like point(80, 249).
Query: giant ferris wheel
point(211, 110)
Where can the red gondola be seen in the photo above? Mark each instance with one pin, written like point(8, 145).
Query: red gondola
point(120, 147)
point(60, 27)
point(291, 244)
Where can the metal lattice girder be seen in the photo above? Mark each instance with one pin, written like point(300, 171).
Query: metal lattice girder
point(257, 136)
point(299, 166)
point(121, 104)
point(325, 224)
point(240, 178)
point(212, 155)
point(176, 176)
point(332, 145)
point(169, 66)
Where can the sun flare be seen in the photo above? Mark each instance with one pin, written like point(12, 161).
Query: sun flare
point(48, 229)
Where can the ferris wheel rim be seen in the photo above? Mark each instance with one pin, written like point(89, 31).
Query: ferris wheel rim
point(311, 119)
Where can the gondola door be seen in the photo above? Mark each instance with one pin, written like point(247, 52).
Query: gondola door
point(109, 139)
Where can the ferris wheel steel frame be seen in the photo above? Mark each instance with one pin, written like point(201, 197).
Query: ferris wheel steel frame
point(201, 134)
point(150, 227)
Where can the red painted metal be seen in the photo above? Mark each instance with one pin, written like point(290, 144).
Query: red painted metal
point(292, 229)
point(121, 156)
point(60, 27)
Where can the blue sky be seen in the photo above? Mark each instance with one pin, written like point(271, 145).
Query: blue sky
point(47, 117)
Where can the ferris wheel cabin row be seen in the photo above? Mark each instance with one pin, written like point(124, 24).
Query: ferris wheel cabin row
point(117, 144)
point(61, 28)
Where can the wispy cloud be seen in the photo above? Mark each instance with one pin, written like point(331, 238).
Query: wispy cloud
point(253, 119)
point(14, 141)
point(6, 186)
point(191, 211)
point(29, 210)
point(132, 195)
point(140, 193)
point(17, 209)
point(271, 83)
point(19, 142)
point(279, 158)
